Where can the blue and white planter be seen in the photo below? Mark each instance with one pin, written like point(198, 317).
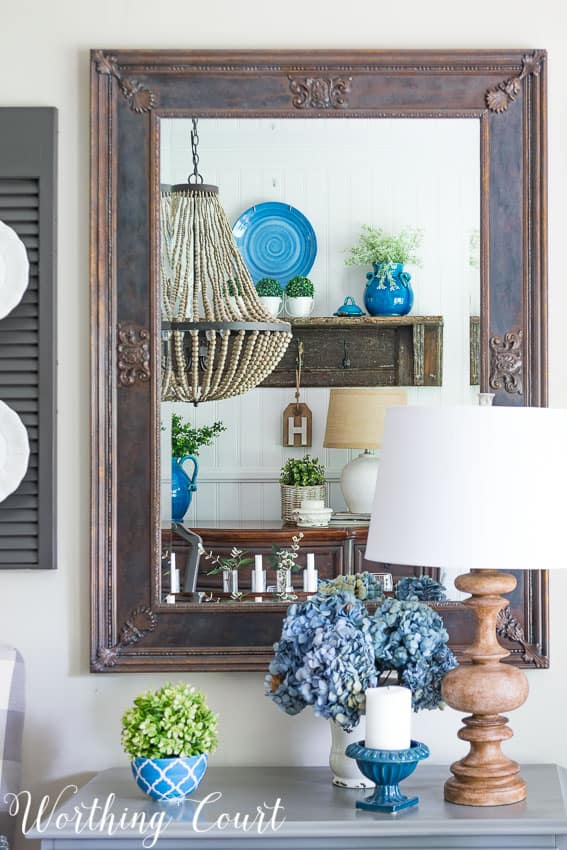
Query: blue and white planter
point(169, 778)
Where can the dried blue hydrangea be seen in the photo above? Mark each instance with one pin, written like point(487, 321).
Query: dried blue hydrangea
point(410, 638)
point(331, 650)
point(422, 589)
point(365, 586)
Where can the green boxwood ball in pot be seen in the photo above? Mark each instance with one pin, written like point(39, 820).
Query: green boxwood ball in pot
point(169, 734)
point(299, 294)
point(270, 294)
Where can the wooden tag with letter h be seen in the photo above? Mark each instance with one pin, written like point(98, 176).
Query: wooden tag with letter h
point(297, 425)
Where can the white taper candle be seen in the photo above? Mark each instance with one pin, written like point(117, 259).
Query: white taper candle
point(174, 576)
point(388, 718)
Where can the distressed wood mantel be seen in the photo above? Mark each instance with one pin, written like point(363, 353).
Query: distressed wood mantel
point(364, 351)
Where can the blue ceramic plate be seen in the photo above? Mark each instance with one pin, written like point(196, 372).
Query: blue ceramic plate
point(275, 240)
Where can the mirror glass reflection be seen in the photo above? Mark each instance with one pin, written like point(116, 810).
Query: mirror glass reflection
point(421, 175)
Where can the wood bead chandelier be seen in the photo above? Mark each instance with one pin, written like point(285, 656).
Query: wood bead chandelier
point(218, 340)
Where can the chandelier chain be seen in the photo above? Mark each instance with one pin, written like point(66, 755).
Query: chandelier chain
point(198, 178)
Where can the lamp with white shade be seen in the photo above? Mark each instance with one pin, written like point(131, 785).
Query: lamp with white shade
point(482, 491)
point(355, 420)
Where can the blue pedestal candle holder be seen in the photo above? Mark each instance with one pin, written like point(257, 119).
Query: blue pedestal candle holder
point(387, 768)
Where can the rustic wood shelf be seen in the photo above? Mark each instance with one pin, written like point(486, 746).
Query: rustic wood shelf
point(364, 351)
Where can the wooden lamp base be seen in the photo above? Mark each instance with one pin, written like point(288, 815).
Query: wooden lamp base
point(485, 688)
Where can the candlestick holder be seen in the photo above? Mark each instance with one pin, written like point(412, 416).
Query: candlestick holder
point(387, 768)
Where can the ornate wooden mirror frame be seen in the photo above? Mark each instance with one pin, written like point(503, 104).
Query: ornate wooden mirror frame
point(131, 90)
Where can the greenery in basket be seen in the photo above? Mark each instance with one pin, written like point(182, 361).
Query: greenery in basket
point(235, 561)
point(376, 247)
point(303, 472)
point(233, 287)
point(186, 440)
point(299, 287)
point(172, 721)
point(269, 287)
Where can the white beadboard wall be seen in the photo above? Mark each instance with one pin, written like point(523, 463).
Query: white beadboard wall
point(340, 174)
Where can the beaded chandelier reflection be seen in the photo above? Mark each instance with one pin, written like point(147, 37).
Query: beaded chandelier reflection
point(217, 339)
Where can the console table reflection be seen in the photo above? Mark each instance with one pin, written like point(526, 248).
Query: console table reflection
point(338, 549)
point(319, 816)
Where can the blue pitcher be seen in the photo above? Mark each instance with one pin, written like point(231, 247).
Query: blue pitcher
point(388, 290)
point(182, 487)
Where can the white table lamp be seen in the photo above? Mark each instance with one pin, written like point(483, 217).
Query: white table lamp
point(475, 489)
point(355, 420)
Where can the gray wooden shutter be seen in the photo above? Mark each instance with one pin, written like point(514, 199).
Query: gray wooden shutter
point(28, 163)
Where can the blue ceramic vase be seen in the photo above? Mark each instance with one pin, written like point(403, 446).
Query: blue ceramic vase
point(388, 290)
point(170, 778)
point(182, 486)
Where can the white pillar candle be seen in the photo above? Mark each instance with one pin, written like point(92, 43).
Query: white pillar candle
point(310, 575)
point(174, 576)
point(388, 718)
point(310, 581)
point(258, 576)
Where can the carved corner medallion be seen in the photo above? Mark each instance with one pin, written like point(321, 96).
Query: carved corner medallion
point(499, 98)
point(133, 354)
point(140, 98)
point(506, 362)
point(508, 628)
point(141, 622)
point(320, 92)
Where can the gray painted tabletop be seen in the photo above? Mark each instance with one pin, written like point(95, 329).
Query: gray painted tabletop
point(317, 815)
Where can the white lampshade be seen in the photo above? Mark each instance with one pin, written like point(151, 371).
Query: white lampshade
point(471, 487)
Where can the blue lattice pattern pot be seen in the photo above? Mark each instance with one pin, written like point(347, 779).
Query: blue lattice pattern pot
point(169, 778)
point(387, 768)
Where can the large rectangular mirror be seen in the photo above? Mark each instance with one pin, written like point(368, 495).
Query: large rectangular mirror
point(434, 145)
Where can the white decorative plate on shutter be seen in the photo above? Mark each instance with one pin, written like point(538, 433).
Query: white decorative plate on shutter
point(14, 451)
point(14, 269)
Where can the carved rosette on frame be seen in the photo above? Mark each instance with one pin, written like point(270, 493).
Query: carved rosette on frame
point(506, 362)
point(509, 628)
point(140, 98)
point(320, 92)
point(133, 354)
point(141, 622)
point(499, 98)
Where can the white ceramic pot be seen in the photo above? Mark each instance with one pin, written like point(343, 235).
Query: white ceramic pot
point(345, 770)
point(273, 304)
point(299, 308)
point(318, 518)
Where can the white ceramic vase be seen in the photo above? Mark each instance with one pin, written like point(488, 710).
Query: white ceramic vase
point(358, 483)
point(273, 304)
point(299, 308)
point(345, 770)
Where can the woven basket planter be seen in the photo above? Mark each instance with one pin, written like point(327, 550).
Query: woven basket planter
point(292, 497)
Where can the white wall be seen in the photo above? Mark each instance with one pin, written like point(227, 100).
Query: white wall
point(421, 174)
point(73, 717)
